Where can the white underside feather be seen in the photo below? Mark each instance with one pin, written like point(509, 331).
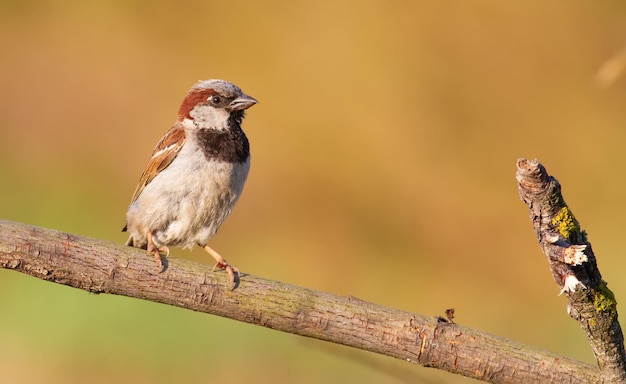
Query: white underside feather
point(188, 201)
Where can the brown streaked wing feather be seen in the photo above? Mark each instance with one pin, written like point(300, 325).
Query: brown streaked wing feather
point(162, 156)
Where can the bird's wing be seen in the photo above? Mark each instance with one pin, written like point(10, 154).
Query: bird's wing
point(162, 156)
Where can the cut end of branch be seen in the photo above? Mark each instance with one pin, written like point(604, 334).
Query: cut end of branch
point(533, 180)
point(530, 171)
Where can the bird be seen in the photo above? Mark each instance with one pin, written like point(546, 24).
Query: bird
point(195, 175)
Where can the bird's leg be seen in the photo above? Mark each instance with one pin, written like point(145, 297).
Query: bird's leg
point(152, 248)
point(232, 271)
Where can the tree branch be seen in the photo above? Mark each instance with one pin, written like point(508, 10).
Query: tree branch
point(102, 267)
point(574, 268)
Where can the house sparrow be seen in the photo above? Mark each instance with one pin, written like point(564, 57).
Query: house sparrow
point(195, 175)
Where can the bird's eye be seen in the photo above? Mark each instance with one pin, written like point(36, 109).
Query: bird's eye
point(215, 99)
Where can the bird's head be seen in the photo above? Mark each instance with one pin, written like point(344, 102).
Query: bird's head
point(215, 104)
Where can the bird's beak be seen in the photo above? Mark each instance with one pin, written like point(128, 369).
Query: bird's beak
point(242, 102)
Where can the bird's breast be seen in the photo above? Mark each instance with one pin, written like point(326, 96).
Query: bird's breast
point(189, 200)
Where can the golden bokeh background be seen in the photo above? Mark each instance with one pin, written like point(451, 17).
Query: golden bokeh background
point(384, 151)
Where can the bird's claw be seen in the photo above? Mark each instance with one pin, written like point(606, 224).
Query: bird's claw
point(232, 271)
point(157, 255)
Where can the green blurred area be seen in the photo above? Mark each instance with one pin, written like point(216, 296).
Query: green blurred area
point(384, 151)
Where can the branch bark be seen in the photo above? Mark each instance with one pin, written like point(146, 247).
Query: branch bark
point(102, 267)
point(574, 268)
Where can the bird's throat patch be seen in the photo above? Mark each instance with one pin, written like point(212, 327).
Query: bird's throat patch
point(230, 145)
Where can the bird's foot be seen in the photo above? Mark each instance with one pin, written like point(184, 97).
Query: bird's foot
point(152, 248)
point(232, 271)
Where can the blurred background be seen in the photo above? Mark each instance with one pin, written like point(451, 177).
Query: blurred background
point(383, 167)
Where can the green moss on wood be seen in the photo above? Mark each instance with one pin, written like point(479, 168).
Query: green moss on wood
point(604, 300)
point(566, 223)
